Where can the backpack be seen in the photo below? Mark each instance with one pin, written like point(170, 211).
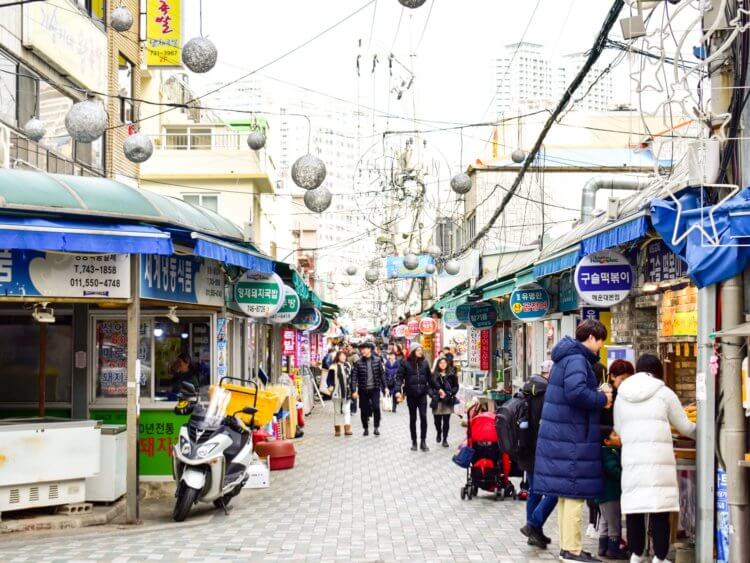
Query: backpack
point(512, 426)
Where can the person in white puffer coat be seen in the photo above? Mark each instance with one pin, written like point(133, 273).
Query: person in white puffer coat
point(643, 412)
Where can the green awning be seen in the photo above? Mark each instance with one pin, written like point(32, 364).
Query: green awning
point(525, 277)
point(459, 299)
point(329, 309)
point(498, 289)
point(39, 193)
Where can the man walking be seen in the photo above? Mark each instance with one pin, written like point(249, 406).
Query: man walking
point(368, 382)
point(568, 461)
point(538, 507)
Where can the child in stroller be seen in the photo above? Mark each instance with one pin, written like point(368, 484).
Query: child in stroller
point(489, 470)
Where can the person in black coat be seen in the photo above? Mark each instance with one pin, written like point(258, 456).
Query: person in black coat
point(414, 380)
point(443, 390)
point(368, 382)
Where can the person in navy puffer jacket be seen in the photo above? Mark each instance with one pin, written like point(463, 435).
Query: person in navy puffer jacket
point(568, 453)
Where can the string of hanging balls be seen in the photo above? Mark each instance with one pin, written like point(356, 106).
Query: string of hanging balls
point(411, 262)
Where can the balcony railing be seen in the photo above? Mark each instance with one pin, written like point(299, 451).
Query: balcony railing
point(196, 141)
point(25, 153)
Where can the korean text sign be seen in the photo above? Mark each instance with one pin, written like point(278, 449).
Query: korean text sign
point(529, 303)
point(604, 278)
point(482, 315)
point(163, 32)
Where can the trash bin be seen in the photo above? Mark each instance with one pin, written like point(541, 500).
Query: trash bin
point(109, 484)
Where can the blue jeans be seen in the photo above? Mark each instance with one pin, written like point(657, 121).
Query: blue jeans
point(538, 507)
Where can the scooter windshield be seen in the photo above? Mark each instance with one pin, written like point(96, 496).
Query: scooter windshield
point(217, 407)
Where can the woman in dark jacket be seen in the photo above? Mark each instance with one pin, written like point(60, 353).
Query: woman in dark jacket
point(443, 390)
point(413, 379)
point(391, 372)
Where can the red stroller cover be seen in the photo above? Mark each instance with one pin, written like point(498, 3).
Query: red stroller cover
point(483, 428)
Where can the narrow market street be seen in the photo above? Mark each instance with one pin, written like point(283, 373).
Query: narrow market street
point(347, 499)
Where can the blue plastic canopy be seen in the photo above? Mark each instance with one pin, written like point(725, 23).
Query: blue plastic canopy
point(233, 254)
point(713, 251)
point(615, 235)
point(559, 264)
point(18, 233)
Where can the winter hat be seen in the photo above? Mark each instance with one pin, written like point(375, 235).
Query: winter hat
point(547, 366)
point(414, 346)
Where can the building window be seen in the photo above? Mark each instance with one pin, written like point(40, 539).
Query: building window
point(208, 201)
point(125, 90)
point(188, 138)
point(8, 90)
point(94, 8)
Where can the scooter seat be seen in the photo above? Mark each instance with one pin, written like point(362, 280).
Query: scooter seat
point(238, 442)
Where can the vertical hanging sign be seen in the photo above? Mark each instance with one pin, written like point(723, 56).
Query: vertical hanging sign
point(484, 349)
point(163, 32)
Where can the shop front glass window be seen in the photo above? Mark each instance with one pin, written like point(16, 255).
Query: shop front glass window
point(182, 352)
point(19, 376)
point(111, 375)
point(551, 329)
point(529, 359)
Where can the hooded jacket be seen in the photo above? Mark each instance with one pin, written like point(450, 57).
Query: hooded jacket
point(414, 377)
point(534, 390)
point(568, 453)
point(644, 410)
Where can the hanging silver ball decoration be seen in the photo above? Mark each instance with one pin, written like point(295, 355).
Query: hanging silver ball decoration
point(403, 296)
point(518, 156)
point(351, 270)
point(256, 140)
point(411, 261)
point(86, 121)
point(121, 19)
point(308, 172)
point(412, 3)
point(372, 275)
point(435, 251)
point(452, 267)
point(138, 148)
point(34, 129)
point(199, 55)
point(430, 269)
point(318, 200)
point(461, 183)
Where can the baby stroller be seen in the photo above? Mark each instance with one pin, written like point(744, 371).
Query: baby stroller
point(489, 470)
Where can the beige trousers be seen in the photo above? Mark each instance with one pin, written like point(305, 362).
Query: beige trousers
point(570, 519)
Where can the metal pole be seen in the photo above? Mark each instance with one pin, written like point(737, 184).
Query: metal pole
point(732, 432)
point(705, 466)
point(42, 379)
point(133, 409)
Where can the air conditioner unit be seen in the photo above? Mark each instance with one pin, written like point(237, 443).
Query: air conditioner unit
point(4, 147)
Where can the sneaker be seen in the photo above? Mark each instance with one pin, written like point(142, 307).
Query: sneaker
point(572, 557)
point(657, 560)
point(591, 532)
point(376, 431)
point(637, 559)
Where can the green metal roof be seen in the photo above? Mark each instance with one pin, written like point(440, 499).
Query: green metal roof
point(498, 289)
point(25, 191)
point(525, 277)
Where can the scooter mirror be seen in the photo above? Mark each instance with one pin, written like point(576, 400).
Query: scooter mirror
point(188, 388)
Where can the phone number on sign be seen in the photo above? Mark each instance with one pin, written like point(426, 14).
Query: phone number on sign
point(93, 283)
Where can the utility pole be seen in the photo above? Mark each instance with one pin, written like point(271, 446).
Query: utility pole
point(133, 390)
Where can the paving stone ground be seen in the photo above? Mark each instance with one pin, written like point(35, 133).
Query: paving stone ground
point(347, 499)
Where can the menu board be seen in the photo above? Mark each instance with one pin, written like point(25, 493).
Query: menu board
point(112, 341)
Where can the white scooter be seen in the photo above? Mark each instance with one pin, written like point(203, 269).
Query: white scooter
point(213, 453)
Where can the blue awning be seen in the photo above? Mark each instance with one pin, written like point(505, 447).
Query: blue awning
point(616, 235)
point(17, 233)
point(229, 253)
point(558, 264)
point(524, 278)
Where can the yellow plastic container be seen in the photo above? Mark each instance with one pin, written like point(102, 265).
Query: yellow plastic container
point(245, 397)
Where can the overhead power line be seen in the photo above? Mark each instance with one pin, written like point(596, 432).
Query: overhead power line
point(593, 57)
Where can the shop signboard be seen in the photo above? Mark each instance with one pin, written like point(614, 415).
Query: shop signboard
point(439, 340)
point(395, 268)
point(722, 517)
point(483, 315)
point(484, 350)
point(28, 273)
point(604, 278)
point(303, 345)
point(308, 318)
point(288, 341)
point(529, 302)
point(473, 347)
point(427, 326)
point(221, 347)
point(568, 295)
point(259, 295)
point(412, 327)
point(450, 318)
point(289, 309)
point(399, 331)
point(462, 312)
point(163, 32)
point(662, 264)
point(589, 314)
point(182, 279)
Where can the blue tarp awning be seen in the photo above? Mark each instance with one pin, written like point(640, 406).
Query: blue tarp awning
point(712, 240)
point(558, 264)
point(229, 253)
point(19, 233)
point(616, 235)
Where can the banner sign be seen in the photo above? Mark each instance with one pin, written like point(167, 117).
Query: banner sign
point(394, 267)
point(28, 273)
point(450, 318)
point(163, 32)
point(662, 264)
point(289, 309)
point(484, 350)
point(604, 278)
point(308, 318)
point(182, 279)
point(288, 341)
point(529, 303)
point(473, 347)
point(427, 326)
point(259, 295)
point(483, 315)
point(412, 326)
point(399, 331)
point(462, 312)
